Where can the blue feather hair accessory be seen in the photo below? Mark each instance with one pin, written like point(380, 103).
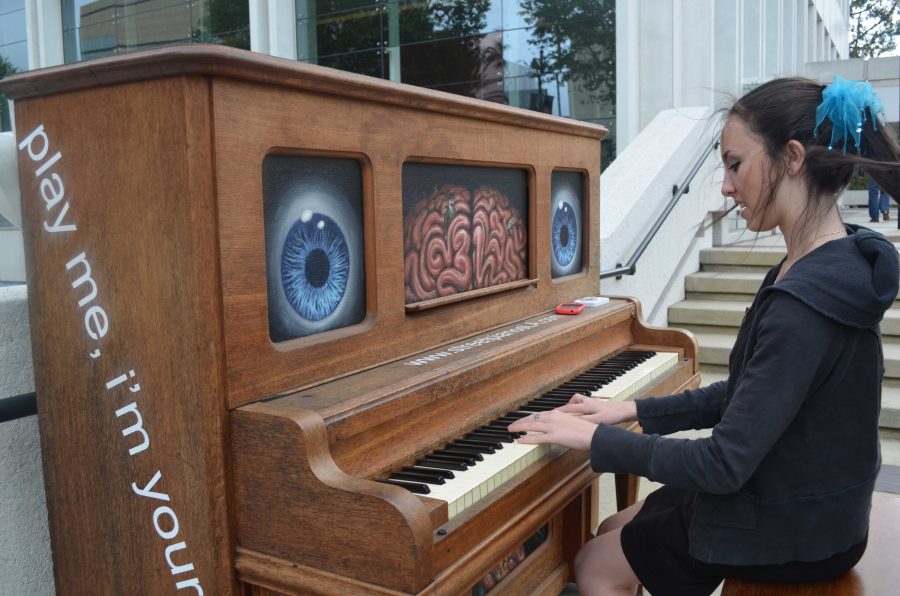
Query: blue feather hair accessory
point(846, 104)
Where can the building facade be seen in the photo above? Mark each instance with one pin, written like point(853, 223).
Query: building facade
point(615, 62)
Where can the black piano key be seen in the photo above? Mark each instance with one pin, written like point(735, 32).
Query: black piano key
point(503, 426)
point(418, 477)
point(444, 465)
point(600, 376)
point(538, 408)
point(515, 415)
point(543, 401)
point(490, 435)
point(445, 474)
point(413, 487)
point(498, 423)
point(480, 442)
point(466, 459)
point(485, 449)
point(564, 394)
point(459, 450)
point(578, 387)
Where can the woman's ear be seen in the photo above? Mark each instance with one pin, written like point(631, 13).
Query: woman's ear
point(795, 156)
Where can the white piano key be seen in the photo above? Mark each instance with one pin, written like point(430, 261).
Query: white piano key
point(471, 485)
point(635, 380)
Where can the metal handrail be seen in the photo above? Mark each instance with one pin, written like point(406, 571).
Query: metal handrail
point(631, 267)
point(19, 406)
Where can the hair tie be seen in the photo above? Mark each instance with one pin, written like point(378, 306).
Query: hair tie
point(845, 103)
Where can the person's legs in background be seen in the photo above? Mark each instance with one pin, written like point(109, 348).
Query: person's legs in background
point(885, 205)
point(874, 193)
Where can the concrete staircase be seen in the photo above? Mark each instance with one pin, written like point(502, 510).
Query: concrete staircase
point(717, 296)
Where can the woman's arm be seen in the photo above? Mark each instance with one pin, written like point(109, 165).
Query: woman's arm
point(790, 356)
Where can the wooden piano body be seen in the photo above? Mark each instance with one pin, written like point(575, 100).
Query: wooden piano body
point(187, 451)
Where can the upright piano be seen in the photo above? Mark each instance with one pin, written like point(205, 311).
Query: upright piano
point(281, 318)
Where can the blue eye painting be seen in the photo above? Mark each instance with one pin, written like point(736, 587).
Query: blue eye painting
point(566, 230)
point(314, 266)
point(564, 233)
point(314, 244)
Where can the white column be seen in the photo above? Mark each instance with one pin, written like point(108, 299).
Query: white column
point(273, 27)
point(753, 41)
point(769, 23)
point(697, 59)
point(627, 72)
point(811, 31)
point(655, 57)
point(677, 54)
point(43, 25)
point(800, 34)
point(729, 41)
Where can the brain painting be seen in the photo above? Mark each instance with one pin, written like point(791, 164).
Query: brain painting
point(462, 238)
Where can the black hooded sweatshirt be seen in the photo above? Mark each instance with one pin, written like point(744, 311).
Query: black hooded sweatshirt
point(789, 470)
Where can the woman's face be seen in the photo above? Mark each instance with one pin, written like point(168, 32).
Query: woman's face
point(746, 168)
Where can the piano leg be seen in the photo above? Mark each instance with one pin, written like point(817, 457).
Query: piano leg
point(626, 490)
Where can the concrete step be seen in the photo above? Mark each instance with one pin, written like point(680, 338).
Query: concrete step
point(710, 374)
point(890, 404)
point(741, 256)
point(890, 395)
point(716, 343)
point(730, 313)
point(890, 446)
point(724, 282)
point(705, 312)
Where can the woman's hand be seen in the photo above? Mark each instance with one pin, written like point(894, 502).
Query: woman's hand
point(601, 411)
point(556, 427)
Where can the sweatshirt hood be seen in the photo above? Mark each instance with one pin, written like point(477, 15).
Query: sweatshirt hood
point(852, 280)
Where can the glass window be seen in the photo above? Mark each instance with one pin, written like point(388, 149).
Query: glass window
point(424, 20)
point(13, 49)
point(552, 56)
point(350, 31)
point(345, 34)
point(370, 62)
point(101, 27)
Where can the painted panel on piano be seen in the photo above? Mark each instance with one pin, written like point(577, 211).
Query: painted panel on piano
point(313, 210)
point(566, 229)
point(464, 228)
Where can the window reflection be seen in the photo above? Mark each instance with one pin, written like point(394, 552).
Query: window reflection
point(95, 28)
point(369, 62)
point(551, 56)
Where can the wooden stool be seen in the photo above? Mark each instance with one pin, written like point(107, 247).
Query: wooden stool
point(878, 572)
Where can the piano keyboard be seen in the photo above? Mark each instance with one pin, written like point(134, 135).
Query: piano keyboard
point(466, 470)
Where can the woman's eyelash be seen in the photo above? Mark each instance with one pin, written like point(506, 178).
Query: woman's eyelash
point(734, 167)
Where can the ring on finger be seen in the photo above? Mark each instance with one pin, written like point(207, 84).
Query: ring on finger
point(537, 417)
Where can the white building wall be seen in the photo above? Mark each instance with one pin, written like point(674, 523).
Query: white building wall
point(25, 565)
point(637, 187)
point(674, 53)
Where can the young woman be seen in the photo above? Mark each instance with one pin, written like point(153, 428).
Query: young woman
point(782, 488)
